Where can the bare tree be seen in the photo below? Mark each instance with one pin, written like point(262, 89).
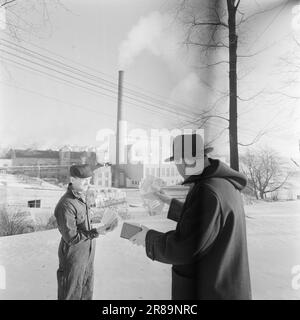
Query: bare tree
point(30, 17)
point(216, 28)
point(291, 68)
point(220, 20)
point(232, 7)
point(265, 172)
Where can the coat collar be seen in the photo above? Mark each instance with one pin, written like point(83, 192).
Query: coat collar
point(195, 178)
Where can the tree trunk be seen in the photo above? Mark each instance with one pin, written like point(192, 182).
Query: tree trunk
point(262, 195)
point(233, 130)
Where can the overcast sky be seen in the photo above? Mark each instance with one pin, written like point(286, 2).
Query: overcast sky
point(143, 38)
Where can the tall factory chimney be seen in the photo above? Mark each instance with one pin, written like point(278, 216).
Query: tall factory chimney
point(118, 134)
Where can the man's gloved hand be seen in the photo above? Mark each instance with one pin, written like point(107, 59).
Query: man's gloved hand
point(161, 195)
point(110, 227)
point(140, 237)
point(93, 233)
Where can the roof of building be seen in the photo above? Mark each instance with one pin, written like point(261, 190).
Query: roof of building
point(45, 154)
point(29, 153)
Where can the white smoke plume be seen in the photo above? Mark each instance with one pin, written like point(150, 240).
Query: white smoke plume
point(161, 35)
point(156, 33)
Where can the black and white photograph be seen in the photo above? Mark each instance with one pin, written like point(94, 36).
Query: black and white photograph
point(149, 150)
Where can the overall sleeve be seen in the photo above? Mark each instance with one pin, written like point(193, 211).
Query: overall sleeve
point(175, 209)
point(66, 221)
point(196, 232)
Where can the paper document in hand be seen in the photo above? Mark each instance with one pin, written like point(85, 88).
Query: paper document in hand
point(109, 216)
point(148, 187)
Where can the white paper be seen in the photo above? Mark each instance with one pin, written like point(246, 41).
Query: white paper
point(148, 187)
point(109, 216)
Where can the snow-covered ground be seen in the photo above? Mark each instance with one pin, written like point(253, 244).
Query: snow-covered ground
point(122, 271)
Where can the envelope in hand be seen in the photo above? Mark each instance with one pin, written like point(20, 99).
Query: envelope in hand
point(150, 185)
point(109, 216)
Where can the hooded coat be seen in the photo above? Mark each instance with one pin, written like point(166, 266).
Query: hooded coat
point(208, 249)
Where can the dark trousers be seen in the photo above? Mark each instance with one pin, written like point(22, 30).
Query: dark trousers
point(75, 275)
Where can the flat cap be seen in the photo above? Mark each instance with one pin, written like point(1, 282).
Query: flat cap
point(81, 171)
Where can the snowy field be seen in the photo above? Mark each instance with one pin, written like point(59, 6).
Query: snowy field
point(122, 271)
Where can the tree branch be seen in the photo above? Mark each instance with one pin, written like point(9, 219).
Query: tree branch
point(237, 5)
point(6, 3)
point(278, 187)
point(210, 24)
point(213, 116)
point(251, 98)
point(211, 65)
point(255, 140)
point(217, 137)
point(261, 12)
point(205, 45)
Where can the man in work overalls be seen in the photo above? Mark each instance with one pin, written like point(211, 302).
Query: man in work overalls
point(76, 251)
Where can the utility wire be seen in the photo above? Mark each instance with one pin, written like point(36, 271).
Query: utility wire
point(92, 84)
point(81, 86)
point(90, 76)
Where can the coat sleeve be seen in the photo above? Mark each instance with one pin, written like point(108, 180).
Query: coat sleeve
point(194, 235)
point(66, 220)
point(175, 210)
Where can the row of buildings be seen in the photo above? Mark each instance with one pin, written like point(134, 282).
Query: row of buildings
point(33, 180)
point(53, 166)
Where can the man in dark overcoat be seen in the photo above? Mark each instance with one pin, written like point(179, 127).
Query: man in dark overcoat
point(208, 249)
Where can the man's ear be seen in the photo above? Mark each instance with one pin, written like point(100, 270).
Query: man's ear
point(72, 179)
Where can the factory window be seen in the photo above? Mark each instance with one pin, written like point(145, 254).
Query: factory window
point(34, 203)
point(152, 171)
point(163, 172)
point(147, 171)
point(168, 172)
point(172, 171)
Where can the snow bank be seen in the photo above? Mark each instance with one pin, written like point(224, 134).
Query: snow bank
point(122, 271)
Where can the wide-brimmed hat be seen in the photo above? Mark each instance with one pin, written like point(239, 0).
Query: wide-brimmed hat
point(193, 142)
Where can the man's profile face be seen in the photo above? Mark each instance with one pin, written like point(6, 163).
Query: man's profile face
point(183, 166)
point(80, 184)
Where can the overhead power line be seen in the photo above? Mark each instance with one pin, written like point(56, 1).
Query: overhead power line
point(137, 96)
point(160, 108)
point(140, 89)
point(85, 108)
point(83, 87)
